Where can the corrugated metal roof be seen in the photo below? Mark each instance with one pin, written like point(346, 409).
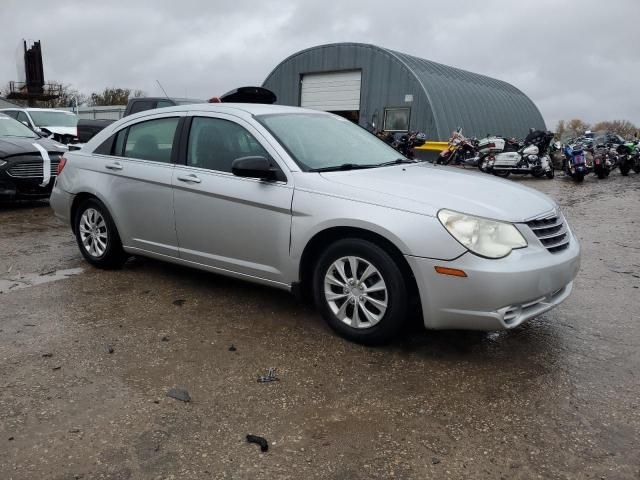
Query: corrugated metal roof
point(478, 103)
point(449, 97)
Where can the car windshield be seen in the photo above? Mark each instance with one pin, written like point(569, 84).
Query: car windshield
point(13, 128)
point(53, 119)
point(320, 141)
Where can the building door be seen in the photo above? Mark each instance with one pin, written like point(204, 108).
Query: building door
point(335, 92)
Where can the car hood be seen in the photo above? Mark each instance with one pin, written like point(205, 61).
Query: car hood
point(19, 146)
point(425, 189)
point(73, 131)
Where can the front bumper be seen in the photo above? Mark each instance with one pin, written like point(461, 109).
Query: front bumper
point(23, 188)
point(21, 176)
point(496, 294)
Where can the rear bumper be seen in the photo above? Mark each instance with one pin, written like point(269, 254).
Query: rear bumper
point(61, 203)
point(496, 294)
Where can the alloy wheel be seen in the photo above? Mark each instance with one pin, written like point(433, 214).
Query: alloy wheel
point(93, 232)
point(356, 292)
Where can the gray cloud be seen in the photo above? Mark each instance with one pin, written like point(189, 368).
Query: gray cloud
point(574, 58)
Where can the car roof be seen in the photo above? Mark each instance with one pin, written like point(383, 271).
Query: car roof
point(30, 109)
point(250, 108)
point(246, 110)
point(175, 99)
point(47, 110)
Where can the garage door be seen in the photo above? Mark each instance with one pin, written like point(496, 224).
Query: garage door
point(331, 92)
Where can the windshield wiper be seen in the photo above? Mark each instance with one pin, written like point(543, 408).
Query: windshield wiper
point(397, 161)
point(344, 166)
point(354, 166)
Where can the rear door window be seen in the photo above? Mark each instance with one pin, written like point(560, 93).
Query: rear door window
point(150, 140)
point(12, 113)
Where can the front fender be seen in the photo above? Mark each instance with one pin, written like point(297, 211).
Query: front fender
point(413, 234)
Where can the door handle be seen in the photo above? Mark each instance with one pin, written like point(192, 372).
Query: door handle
point(189, 178)
point(113, 166)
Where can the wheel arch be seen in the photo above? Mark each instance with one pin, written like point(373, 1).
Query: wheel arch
point(83, 196)
point(322, 239)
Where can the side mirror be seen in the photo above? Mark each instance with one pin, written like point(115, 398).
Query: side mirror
point(254, 167)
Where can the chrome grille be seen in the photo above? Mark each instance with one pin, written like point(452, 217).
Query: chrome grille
point(32, 169)
point(552, 232)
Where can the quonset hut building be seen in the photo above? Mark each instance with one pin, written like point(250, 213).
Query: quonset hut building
point(393, 91)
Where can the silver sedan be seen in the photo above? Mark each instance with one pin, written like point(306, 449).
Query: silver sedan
point(309, 202)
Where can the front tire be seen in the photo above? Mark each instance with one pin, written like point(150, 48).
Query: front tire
point(624, 166)
point(97, 236)
point(360, 291)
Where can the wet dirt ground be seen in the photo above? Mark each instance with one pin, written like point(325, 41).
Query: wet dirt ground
point(556, 398)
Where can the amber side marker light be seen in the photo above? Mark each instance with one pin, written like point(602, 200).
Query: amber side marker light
point(450, 271)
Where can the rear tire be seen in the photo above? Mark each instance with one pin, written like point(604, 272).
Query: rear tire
point(97, 236)
point(502, 173)
point(482, 165)
point(360, 291)
point(601, 174)
point(624, 170)
point(551, 173)
point(579, 177)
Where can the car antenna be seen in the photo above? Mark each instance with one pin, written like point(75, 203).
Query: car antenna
point(163, 91)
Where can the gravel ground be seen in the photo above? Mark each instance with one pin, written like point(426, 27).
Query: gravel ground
point(87, 357)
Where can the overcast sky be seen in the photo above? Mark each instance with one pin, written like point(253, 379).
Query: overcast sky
point(574, 58)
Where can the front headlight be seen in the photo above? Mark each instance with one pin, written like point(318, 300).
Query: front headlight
point(484, 237)
point(2, 163)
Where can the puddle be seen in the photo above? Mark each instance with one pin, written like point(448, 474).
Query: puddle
point(9, 284)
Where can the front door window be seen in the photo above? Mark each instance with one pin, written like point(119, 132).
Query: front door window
point(215, 143)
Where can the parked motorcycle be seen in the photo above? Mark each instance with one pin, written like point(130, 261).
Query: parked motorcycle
point(405, 143)
point(492, 145)
point(460, 150)
point(604, 160)
point(629, 157)
point(575, 164)
point(532, 158)
point(557, 155)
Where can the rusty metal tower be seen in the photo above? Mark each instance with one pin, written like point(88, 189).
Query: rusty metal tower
point(34, 87)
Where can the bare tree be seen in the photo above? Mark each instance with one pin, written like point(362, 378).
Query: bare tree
point(561, 128)
point(624, 128)
point(69, 97)
point(576, 127)
point(113, 96)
